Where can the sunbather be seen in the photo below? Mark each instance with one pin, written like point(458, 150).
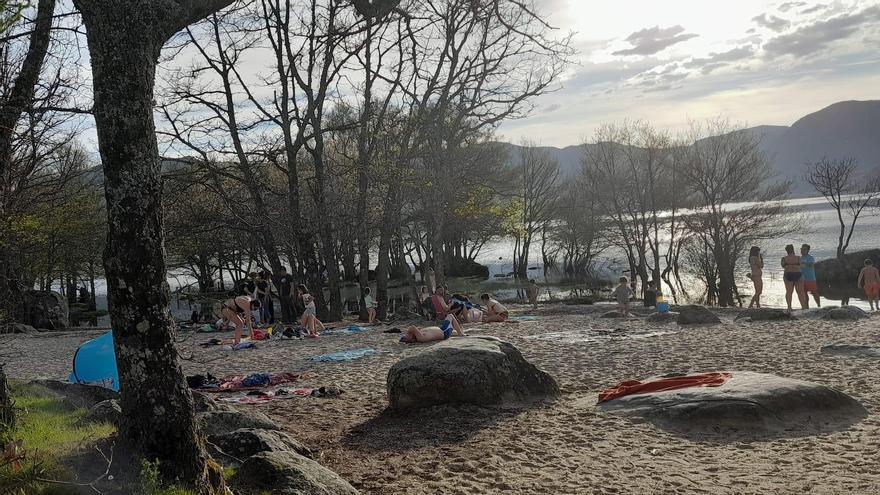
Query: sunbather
point(495, 311)
point(447, 328)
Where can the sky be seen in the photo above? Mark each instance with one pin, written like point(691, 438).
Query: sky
point(669, 62)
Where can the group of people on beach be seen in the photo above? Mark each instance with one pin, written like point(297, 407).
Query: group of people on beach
point(799, 276)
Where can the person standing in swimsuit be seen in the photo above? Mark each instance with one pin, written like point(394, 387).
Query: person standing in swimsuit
point(756, 263)
point(869, 280)
point(808, 269)
point(238, 312)
point(794, 281)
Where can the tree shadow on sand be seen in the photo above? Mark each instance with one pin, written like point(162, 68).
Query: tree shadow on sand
point(428, 427)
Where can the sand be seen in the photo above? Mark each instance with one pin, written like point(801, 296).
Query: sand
point(567, 446)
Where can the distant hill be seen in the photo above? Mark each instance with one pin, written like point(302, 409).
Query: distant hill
point(842, 130)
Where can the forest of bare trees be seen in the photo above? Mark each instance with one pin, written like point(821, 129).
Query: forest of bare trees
point(348, 141)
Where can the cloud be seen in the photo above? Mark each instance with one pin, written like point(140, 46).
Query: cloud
point(791, 5)
point(814, 8)
point(771, 22)
point(817, 36)
point(653, 40)
point(715, 61)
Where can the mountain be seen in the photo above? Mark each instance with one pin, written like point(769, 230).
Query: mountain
point(849, 129)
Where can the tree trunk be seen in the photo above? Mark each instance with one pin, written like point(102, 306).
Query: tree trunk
point(124, 41)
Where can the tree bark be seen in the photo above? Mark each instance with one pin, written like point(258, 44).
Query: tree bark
point(125, 40)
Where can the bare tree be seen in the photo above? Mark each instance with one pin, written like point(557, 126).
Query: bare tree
point(125, 40)
point(538, 190)
point(736, 201)
point(849, 195)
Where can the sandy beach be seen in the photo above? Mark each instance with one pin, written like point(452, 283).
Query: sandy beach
point(562, 447)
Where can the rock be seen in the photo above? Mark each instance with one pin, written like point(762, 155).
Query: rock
point(662, 317)
point(203, 403)
point(846, 270)
point(846, 313)
point(694, 313)
point(77, 395)
point(106, 411)
point(287, 473)
point(611, 314)
point(472, 370)
point(249, 441)
point(752, 403)
point(45, 309)
point(21, 328)
point(220, 422)
point(765, 314)
point(851, 350)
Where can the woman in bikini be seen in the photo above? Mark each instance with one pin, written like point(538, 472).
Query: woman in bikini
point(794, 281)
point(238, 312)
point(756, 262)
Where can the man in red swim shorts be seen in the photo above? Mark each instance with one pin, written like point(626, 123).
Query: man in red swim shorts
point(869, 279)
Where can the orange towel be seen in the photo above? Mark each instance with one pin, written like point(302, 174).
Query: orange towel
point(636, 387)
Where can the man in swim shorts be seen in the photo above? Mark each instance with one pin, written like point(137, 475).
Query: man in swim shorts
point(808, 271)
point(447, 328)
point(869, 279)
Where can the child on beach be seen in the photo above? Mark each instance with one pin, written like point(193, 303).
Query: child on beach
point(309, 319)
point(495, 311)
point(622, 293)
point(869, 279)
point(370, 305)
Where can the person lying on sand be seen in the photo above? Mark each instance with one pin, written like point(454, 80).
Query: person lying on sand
point(495, 311)
point(432, 334)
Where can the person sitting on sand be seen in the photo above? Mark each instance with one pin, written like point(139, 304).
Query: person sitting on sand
point(794, 281)
point(623, 293)
point(447, 327)
point(534, 291)
point(370, 305)
point(439, 303)
point(309, 320)
point(808, 270)
point(869, 280)
point(756, 263)
point(495, 311)
point(237, 312)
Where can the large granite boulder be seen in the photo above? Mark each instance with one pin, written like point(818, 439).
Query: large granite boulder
point(203, 402)
point(473, 370)
point(106, 411)
point(845, 313)
point(250, 441)
point(765, 314)
point(219, 422)
point(748, 403)
point(851, 350)
point(667, 317)
point(45, 309)
point(288, 473)
point(696, 314)
point(77, 395)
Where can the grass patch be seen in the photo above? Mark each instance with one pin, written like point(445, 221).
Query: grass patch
point(49, 431)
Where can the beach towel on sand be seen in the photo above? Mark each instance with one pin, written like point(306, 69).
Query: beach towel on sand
point(663, 384)
point(524, 318)
point(344, 355)
point(349, 329)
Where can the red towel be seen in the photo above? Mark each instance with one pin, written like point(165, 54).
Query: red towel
point(636, 387)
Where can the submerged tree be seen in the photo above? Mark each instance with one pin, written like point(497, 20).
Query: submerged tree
point(838, 182)
point(737, 203)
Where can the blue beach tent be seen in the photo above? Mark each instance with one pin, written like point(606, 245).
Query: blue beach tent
point(95, 363)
